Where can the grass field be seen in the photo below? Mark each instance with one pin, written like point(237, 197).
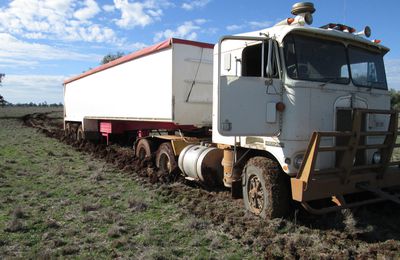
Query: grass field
point(55, 201)
point(60, 200)
point(16, 112)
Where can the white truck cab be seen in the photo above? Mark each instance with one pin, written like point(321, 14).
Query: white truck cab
point(274, 87)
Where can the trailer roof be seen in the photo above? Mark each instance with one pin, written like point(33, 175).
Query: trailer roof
point(143, 52)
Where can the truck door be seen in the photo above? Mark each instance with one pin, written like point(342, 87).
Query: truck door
point(247, 103)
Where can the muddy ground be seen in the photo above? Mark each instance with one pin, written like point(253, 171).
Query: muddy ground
point(367, 232)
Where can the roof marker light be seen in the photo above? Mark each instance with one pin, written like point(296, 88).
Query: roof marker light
point(376, 41)
point(290, 20)
point(339, 27)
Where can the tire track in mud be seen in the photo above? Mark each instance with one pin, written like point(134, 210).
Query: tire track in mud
point(361, 233)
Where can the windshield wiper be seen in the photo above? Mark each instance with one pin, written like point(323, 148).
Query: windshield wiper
point(332, 80)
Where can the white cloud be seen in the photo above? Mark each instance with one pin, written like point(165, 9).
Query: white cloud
point(14, 52)
point(393, 73)
point(33, 88)
point(188, 30)
point(253, 25)
point(195, 4)
point(109, 8)
point(89, 11)
point(234, 27)
point(259, 25)
point(130, 47)
point(54, 19)
point(137, 13)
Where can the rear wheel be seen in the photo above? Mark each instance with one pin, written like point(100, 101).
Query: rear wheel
point(80, 135)
point(144, 149)
point(67, 130)
point(265, 188)
point(165, 158)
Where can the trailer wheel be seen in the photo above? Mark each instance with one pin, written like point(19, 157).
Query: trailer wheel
point(144, 149)
point(265, 188)
point(165, 158)
point(73, 131)
point(80, 134)
point(67, 131)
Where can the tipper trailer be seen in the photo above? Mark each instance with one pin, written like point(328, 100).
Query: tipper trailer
point(288, 112)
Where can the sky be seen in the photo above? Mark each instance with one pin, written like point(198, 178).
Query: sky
point(43, 42)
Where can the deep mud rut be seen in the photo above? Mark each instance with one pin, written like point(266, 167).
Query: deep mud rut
point(366, 232)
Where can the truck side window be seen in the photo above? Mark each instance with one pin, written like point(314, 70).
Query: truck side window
point(290, 57)
point(251, 61)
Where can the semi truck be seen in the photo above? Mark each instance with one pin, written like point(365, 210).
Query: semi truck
point(287, 113)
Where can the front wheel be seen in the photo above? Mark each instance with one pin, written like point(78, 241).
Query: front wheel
point(265, 188)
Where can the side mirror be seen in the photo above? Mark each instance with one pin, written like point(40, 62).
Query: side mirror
point(269, 70)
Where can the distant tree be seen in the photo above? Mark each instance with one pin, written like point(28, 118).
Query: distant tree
point(2, 75)
point(111, 56)
point(3, 102)
point(395, 99)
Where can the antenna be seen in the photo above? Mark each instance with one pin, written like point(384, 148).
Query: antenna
point(344, 11)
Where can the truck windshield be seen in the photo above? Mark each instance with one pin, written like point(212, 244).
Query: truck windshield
point(367, 68)
point(326, 61)
point(316, 60)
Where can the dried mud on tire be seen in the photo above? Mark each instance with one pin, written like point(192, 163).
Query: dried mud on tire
point(367, 232)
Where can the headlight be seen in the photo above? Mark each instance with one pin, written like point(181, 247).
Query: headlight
point(376, 158)
point(298, 160)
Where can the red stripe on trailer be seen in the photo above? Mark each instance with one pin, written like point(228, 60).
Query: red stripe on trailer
point(143, 52)
point(118, 127)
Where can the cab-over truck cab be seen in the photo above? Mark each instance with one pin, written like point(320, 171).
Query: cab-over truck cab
point(274, 88)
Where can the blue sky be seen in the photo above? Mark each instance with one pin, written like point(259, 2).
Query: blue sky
point(42, 42)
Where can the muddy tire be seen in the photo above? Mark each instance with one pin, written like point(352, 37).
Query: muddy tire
point(265, 188)
point(80, 134)
point(144, 149)
point(73, 131)
point(165, 158)
point(67, 130)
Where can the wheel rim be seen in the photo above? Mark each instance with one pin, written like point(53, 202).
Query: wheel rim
point(164, 163)
point(67, 130)
point(142, 154)
point(79, 136)
point(255, 194)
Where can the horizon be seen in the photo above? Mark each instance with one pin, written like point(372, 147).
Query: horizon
point(44, 42)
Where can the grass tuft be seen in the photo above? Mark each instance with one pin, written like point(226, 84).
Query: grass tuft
point(52, 223)
point(15, 225)
point(87, 206)
point(137, 206)
point(19, 213)
point(70, 250)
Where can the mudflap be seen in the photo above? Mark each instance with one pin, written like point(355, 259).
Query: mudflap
point(236, 189)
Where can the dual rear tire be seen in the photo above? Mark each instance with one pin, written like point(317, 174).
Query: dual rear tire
point(165, 158)
point(74, 131)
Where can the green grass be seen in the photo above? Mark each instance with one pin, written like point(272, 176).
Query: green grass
point(14, 112)
point(55, 201)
